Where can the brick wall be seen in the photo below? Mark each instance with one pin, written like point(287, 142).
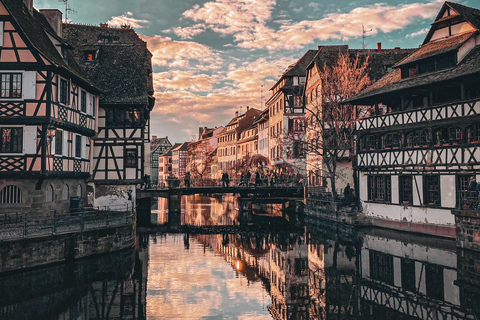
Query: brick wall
point(468, 229)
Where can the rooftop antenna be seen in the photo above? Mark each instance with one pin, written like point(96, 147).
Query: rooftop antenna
point(364, 36)
point(67, 9)
point(261, 96)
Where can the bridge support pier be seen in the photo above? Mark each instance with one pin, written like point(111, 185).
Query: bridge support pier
point(175, 210)
point(244, 210)
point(144, 212)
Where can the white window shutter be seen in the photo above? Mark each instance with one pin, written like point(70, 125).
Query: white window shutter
point(29, 84)
point(1, 33)
point(30, 140)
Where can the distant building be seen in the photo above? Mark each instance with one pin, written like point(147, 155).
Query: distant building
point(179, 160)
point(418, 141)
point(287, 117)
point(201, 156)
point(119, 63)
point(165, 165)
point(263, 133)
point(158, 146)
point(227, 152)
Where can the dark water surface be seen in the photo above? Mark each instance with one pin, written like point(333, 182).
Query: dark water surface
point(279, 264)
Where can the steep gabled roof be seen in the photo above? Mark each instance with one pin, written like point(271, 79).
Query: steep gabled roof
point(122, 70)
point(298, 68)
point(393, 82)
point(462, 13)
point(36, 29)
point(437, 47)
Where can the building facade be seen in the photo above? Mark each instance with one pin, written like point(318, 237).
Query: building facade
point(48, 111)
point(158, 146)
point(119, 63)
point(418, 139)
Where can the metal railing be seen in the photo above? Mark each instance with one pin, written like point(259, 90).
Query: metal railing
point(236, 182)
point(31, 225)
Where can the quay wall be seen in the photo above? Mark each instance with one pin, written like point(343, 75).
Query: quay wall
point(468, 229)
point(33, 252)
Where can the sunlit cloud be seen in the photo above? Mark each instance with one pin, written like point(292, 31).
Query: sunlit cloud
point(183, 80)
point(189, 32)
point(418, 33)
point(182, 54)
point(247, 22)
point(127, 19)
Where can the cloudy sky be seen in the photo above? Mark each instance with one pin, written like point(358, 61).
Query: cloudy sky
point(214, 57)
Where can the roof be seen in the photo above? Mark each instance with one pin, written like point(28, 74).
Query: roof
point(468, 14)
point(161, 141)
point(378, 59)
point(122, 69)
point(169, 152)
point(298, 69)
point(437, 47)
point(181, 147)
point(36, 29)
point(392, 82)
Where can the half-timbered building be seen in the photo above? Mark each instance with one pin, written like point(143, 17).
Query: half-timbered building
point(119, 63)
point(158, 146)
point(47, 114)
point(418, 141)
point(380, 61)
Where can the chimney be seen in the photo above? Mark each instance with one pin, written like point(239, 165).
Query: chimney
point(29, 5)
point(236, 114)
point(379, 46)
point(54, 17)
point(248, 108)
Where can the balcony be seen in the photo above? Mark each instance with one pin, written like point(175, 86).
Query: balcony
point(414, 116)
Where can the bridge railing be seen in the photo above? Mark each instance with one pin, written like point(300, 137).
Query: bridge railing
point(31, 224)
point(198, 183)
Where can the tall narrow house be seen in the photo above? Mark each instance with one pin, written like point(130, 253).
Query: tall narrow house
point(419, 139)
point(119, 63)
point(47, 114)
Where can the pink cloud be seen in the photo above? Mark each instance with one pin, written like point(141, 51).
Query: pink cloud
point(127, 19)
point(179, 54)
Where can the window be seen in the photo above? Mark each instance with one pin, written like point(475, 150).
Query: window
point(78, 146)
point(79, 190)
point(381, 267)
point(11, 85)
point(431, 190)
point(63, 98)
point(408, 275)
point(380, 188)
point(49, 195)
point(131, 158)
point(90, 55)
point(405, 187)
point(301, 266)
point(368, 142)
point(11, 140)
point(124, 117)
point(392, 140)
point(434, 284)
point(65, 192)
point(58, 142)
point(473, 133)
point(418, 138)
point(83, 101)
point(11, 194)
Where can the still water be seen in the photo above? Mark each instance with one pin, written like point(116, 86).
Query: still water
point(279, 264)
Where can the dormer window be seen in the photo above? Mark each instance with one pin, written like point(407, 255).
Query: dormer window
point(91, 55)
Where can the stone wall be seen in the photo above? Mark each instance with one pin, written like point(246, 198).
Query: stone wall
point(468, 229)
point(35, 199)
point(27, 253)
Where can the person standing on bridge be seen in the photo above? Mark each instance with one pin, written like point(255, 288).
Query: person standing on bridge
point(186, 180)
point(225, 180)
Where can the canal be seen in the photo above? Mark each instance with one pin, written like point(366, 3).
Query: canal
point(277, 263)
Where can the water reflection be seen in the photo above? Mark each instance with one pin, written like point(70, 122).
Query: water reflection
point(278, 271)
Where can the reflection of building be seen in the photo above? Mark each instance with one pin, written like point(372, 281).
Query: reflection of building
point(418, 141)
point(289, 278)
point(409, 279)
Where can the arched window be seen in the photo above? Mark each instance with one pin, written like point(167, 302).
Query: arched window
point(65, 192)
point(49, 197)
point(79, 190)
point(11, 194)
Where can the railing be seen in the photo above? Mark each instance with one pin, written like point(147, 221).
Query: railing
point(468, 200)
point(29, 225)
point(236, 182)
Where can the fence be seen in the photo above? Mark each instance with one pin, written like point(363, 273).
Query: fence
point(26, 225)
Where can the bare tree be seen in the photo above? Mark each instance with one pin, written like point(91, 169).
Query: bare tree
point(200, 158)
point(330, 122)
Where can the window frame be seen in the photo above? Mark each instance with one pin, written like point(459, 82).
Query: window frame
point(405, 195)
point(83, 101)
point(431, 190)
point(128, 160)
point(15, 141)
point(63, 92)
point(379, 188)
point(10, 89)
point(78, 146)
